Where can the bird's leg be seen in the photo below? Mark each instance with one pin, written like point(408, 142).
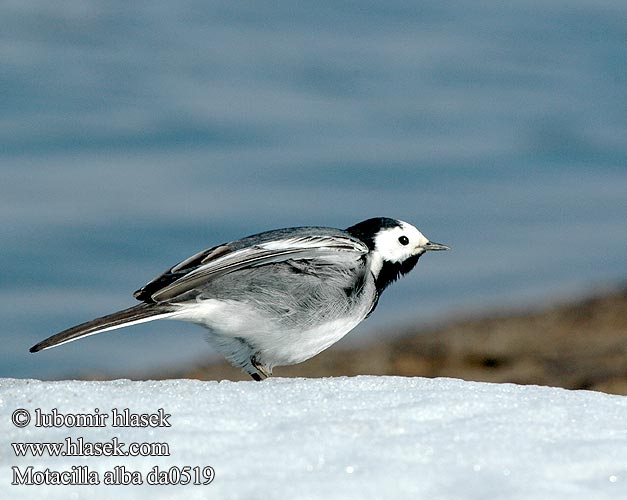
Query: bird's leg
point(262, 373)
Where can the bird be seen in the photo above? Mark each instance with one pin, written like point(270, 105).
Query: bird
point(278, 297)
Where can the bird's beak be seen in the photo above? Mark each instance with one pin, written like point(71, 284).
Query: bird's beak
point(430, 245)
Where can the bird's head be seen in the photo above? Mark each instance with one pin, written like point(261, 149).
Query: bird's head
point(395, 247)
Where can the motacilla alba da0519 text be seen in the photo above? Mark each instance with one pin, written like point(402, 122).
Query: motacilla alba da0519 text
point(275, 298)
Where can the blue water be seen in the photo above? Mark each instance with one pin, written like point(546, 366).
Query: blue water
point(133, 134)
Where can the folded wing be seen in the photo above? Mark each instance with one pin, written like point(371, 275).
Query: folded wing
point(218, 261)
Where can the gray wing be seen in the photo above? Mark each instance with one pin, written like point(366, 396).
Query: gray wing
point(313, 244)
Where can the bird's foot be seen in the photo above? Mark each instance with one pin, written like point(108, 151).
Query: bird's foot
point(262, 372)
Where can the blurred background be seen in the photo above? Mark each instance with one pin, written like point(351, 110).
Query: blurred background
point(133, 134)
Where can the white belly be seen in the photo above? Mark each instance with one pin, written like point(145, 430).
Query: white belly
point(240, 331)
point(291, 347)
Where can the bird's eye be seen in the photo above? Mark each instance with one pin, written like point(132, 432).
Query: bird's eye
point(403, 240)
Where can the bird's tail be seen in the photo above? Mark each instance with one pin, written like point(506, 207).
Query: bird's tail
point(131, 316)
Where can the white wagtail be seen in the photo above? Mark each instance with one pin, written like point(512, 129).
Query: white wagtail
point(275, 298)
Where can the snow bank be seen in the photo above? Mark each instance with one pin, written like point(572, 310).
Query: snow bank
point(363, 437)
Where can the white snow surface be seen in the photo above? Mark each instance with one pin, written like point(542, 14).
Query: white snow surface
point(336, 438)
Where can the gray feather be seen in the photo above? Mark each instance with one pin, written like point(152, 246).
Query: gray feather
point(305, 244)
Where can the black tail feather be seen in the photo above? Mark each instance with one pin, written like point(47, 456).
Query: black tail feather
point(146, 312)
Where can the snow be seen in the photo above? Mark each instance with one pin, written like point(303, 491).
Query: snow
point(361, 437)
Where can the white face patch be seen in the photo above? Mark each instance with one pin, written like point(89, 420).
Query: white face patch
point(399, 243)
